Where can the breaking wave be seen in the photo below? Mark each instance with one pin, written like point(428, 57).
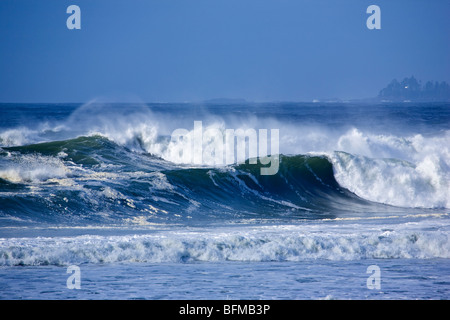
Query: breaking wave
point(277, 243)
point(115, 165)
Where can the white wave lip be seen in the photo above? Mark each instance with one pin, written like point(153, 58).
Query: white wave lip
point(14, 137)
point(33, 168)
point(276, 243)
point(408, 172)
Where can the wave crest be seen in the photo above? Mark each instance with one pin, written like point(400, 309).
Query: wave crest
point(282, 243)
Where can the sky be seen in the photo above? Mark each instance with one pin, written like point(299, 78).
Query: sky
point(194, 50)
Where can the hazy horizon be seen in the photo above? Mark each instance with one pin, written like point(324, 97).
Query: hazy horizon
point(260, 51)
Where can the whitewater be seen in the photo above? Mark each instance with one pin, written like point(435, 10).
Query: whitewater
point(102, 186)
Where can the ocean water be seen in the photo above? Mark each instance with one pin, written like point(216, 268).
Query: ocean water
point(105, 187)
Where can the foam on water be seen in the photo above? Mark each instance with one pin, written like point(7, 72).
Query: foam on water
point(329, 241)
point(410, 170)
point(407, 172)
point(102, 187)
point(33, 168)
point(401, 171)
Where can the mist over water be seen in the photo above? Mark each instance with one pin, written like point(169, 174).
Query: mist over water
point(402, 161)
point(111, 169)
point(336, 198)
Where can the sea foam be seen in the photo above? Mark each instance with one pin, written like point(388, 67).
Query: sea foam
point(265, 243)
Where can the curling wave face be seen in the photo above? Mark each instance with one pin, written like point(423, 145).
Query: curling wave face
point(116, 165)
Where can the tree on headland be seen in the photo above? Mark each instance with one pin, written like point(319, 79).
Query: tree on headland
point(411, 89)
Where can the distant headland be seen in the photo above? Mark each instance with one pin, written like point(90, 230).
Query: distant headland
point(410, 89)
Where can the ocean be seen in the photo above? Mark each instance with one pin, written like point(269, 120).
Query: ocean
point(100, 201)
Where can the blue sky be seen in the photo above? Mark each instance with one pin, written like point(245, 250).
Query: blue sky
point(193, 50)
